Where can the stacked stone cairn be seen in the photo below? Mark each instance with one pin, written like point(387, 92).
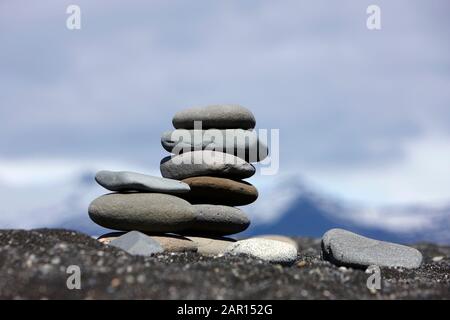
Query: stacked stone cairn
point(192, 207)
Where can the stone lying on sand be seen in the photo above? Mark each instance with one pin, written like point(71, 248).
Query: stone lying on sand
point(205, 163)
point(241, 143)
point(137, 243)
point(132, 181)
point(265, 249)
point(278, 237)
point(147, 212)
point(215, 116)
point(211, 246)
point(169, 242)
point(214, 190)
point(217, 220)
point(346, 248)
point(176, 243)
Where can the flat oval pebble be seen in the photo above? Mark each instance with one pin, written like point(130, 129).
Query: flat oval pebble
point(346, 248)
point(244, 144)
point(265, 249)
point(214, 190)
point(169, 242)
point(205, 163)
point(148, 212)
point(137, 243)
point(211, 246)
point(217, 220)
point(225, 116)
point(133, 181)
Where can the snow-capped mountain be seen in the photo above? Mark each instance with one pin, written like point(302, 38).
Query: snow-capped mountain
point(310, 213)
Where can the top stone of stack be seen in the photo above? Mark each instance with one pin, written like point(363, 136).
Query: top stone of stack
point(215, 117)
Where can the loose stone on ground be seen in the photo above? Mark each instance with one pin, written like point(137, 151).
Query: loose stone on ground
point(169, 242)
point(137, 243)
point(343, 247)
point(265, 249)
point(279, 237)
point(211, 246)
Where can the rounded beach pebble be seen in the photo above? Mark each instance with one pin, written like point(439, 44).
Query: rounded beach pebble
point(346, 248)
point(214, 190)
point(211, 246)
point(265, 249)
point(279, 237)
point(133, 181)
point(217, 220)
point(205, 163)
point(147, 212)
point(244, 144)
point(224, 116)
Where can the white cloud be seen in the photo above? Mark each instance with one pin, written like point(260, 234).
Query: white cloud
point(43, 192)
point(421, 177)
point(394, 221)
point(37, 172)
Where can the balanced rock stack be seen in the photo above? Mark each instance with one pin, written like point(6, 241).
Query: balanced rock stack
point(193, 206)
point(212, 148)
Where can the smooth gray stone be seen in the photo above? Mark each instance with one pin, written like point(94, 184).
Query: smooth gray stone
point(205, 163)
point(265, 249)
point(137, 243)
point(218, 220)
point(346, 248)
point(147, 212)
point(244, 144)
point(215, 116)
point(132, 181)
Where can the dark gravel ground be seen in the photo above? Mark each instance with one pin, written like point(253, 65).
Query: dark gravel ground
point(33, 266)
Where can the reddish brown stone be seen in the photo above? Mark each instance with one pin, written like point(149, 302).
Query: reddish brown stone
point(213, 190)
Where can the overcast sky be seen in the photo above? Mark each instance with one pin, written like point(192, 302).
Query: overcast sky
point(364, 115)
